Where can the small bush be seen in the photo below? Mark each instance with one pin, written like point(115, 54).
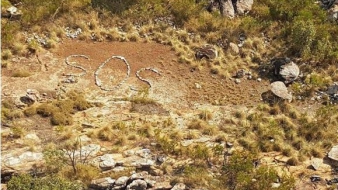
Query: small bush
point(30, 111)
point(205, 115)
point(46, 110)
point(18, 131)
point(197, 124)
point(106, 134)
point(60, 118)
point(84, 173)
point(27, 182)
point(6, 54)
point(292, 161)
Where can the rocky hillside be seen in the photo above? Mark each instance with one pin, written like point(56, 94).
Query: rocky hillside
point(158, 94)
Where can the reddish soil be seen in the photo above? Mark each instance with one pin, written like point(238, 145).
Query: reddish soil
point(177, 80)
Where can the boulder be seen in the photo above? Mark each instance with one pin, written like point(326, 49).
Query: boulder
point(243, 6)
point(285, 69)
point(234, 48)
point(179, 186)
point(207, 51)
point(333, 154)
point(107, 162)
point(12, 13)
point(144, 153)
point(279, 89)
point(122, 181)
point(332, 91)
point(138, 184)
point(230, 8)
point(102, 183)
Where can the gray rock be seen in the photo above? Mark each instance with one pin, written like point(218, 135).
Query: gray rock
point(244, 6)
point(144, 153)
point(198, 86)
point(102, 183)
point(333, 154)
point(285, 69)
point(275, 185)
point(121, 181)
point(141, 175)
point(237, 81)
point(162, 186)
point(107, 162)
point(279, 89)
point(137, 185)
point(240, 73)
point(316, 163)
point(179, 186)
point(207, 51)
point(118, 169)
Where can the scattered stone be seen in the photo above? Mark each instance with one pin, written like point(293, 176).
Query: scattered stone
point(33, 136)
point(87, 125)
point(162, 186)
point(259, 79)
point(237, 81)
point(121, 181)
point(315, 178)
point(71, 33)
point(107, 162)
point(285, 69)
point(332, 91)
point(198, 86)
point(333, 154)
point(230, 8)
point(118, 169)
point(279, 89)
point(137, 185)
point(275, 185)
point(141, 175)
point(179, 186)
point(207, 51)
point(240, 73)
point(187, 142)
point(160, 159)
point(102, 183)
point(316, 163)
point(243, 7)
point(144, 153)
point(85, 138)
point(229, 144)
point(234, 48)
point(12, 13)
point(150, 183)
point(29, 100)
point(332, 181)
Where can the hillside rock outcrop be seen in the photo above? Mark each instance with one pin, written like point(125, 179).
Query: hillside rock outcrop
point(230, 8)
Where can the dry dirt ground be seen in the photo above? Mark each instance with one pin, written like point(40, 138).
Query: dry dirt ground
point(176, 89)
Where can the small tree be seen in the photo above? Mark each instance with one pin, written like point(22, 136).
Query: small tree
point(74, 153)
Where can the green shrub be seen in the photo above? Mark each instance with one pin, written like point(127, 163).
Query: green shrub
point(84, 173)
point(184, 9)
point(27, 182)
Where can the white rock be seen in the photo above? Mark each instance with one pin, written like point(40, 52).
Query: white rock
point(33, 136)
point(198, 86)
point(333, 154)
point(121, 181)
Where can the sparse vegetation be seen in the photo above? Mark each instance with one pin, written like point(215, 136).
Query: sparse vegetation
point(297, 29)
